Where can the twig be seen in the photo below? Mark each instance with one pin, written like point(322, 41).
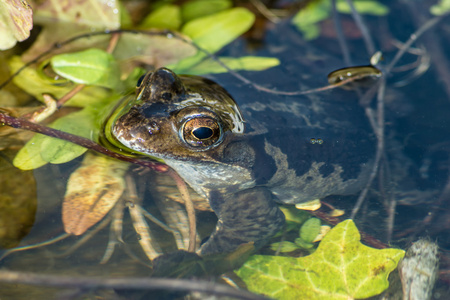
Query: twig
point(340, 35)
point(379, 131)
point(363, 28)
point(137, 283)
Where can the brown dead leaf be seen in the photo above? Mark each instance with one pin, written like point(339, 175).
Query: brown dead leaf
point(92, 191)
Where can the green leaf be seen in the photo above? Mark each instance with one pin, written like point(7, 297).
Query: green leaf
point(92, 66)
point(33, 83)
point(16, 21)
point(307, 18)
point(42, 149)
point(29, 157)
point(310, 230)
point(303, 244)
point(213, 32)
point(201, 8)
point(248, 63)
point(441, 8)
point(80, 123)
point(284, 246)
point(166, 17)
point(367, 7)
point(217, 30)
point(340, 268)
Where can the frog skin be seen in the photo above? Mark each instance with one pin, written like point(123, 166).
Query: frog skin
point(241, 167)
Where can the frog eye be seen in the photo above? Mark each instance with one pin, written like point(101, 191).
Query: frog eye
point(201, 132)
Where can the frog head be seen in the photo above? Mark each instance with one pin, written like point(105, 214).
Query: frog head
point(192, 124)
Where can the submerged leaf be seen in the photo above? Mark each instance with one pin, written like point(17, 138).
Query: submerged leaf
point(18, 203)
point(16, 21)
point(367, 7)
point(92, 190)
point(340, 268)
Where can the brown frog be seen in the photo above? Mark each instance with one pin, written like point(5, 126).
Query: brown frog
point(244, 169)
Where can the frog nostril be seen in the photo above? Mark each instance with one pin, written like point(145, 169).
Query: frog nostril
point(152, 128)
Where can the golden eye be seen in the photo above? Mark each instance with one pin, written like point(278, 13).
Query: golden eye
point(201, 132)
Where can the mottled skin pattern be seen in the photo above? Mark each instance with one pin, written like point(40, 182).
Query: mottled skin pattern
point(196, 128)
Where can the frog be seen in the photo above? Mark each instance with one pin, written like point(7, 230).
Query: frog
point(243, 158)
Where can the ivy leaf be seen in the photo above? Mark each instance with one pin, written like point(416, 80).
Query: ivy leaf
point(92, 66)
point(340, 268)
point(16, 21)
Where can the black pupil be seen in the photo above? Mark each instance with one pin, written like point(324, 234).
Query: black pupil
point(202, 133)
point(139, 82)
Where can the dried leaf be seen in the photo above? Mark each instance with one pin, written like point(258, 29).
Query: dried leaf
point(92, 190)
point(340, 268)
point(16, 22)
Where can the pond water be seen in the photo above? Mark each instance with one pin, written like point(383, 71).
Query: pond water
point(407, 201)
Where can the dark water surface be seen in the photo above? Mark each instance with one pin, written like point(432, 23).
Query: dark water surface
point(416, 168)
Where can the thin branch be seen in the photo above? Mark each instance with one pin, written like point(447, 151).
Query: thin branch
point(137, 283)
point(363, 28)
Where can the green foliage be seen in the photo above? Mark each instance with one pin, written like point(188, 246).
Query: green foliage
point(35, 84)
point(212, 33)
point(308, 232)
point(201, 8)
point(42, 149)
point(92, 66)
point(307, 19)
point(340, 268)
point(166, 17)
point(441, 8)
point(248, 63)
